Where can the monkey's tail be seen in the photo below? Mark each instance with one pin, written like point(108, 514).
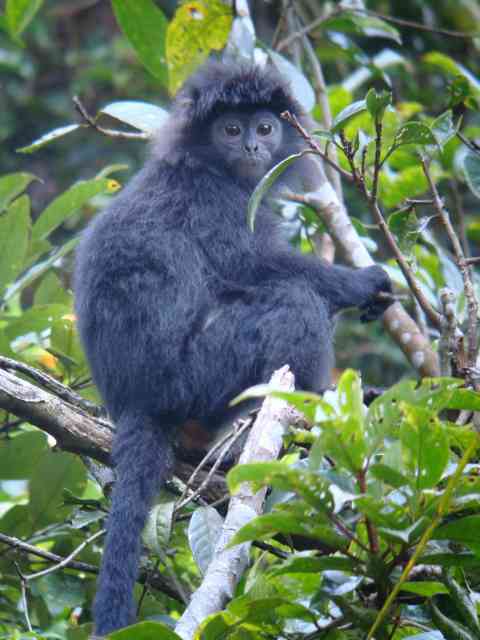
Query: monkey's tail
point(142, 455)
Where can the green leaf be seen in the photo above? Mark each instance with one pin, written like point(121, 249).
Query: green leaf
point(364, 25)
point(14, 239)
point(377, 103)
point(60, 132)
point(388, 475)
point(425, 588)
point(141, 115)
point(39, 268)
point(464, 604)
point(203, 533)
point(67, 204)
point(414, 133)
point(451, 629)
point(145, 631)
point(471, 169)
point(452, 68)
point(426, 441)
point(60, 591)
point(461, 530)
point(443, 128)
point(54, 473)
point(344, 117)
point(315, 565)
point(19, 455)
point(12, 185)
point(265, 183)
point(145, 27)
point(19, 14)
point(405, 226)
point(158, 529)
point(196, 29)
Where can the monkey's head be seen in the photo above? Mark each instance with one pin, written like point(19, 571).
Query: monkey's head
point(229, 116)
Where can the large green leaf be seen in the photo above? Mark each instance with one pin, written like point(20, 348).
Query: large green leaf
point(14, 239)
point(145, 27)
point(19, 455)
point(196, 29)
point(264, 185)
point(363, 25)
point(67, 204)
point(12, 185)
point(54, 473)
point(19, 13)
point(344, 117)
point(141, 115)
point(145, 631)
point(39, 268)
point(471, 168)
point(60, 132)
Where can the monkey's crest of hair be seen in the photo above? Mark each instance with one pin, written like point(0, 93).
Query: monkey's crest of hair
point(217, 86)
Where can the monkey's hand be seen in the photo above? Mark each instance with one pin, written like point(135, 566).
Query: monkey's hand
point(378, 290)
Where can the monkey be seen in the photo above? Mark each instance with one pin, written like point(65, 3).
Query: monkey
point(180, 306)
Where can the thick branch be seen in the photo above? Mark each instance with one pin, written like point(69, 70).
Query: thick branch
point(77, 431)
point(264, 443)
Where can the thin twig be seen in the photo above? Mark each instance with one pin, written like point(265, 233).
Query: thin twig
point(418, 25)
point(112, 133)
point(471, 144)
point(286, 42)
point(23, 585)
point(430, 312)
point(292, 119)
point(67, 560)
point(16, 543)
point(447, 346)
point(465, 269)
point(227, 445)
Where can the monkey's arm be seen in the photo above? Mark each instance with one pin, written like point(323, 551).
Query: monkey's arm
point(342, 287)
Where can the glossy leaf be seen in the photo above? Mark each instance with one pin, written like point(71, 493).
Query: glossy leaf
point(67, 204)
point(264, 185)
point(364, 25)
point(14, 239)
point(344, 117)
point(377, 103)
point(12, 185)
point(471, 168)
point(207, 24)
point(414, 133)
point(158, 529)
point(145, 27)
point(141, 115)
point(51, 136)
point(19, 14)
point(203, 533)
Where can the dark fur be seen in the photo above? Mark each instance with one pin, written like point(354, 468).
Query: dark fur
point(180, 307)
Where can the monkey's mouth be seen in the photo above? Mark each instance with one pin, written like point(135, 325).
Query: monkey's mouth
point(251, 166)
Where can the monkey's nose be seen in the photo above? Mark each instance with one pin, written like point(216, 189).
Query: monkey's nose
point(251, 148)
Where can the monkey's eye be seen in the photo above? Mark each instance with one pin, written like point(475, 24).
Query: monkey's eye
point(264, 129)
point(232, 130)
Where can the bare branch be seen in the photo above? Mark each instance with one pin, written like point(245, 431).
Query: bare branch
point(264, 443)
point(463, 265)
point(51, 384)
point(111, 133)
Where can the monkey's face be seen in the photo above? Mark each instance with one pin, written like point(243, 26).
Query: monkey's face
point(248, 142)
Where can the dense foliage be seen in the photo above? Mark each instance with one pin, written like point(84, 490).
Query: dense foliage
point(371, 528)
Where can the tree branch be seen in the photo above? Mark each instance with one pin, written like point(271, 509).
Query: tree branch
point(264, 443)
